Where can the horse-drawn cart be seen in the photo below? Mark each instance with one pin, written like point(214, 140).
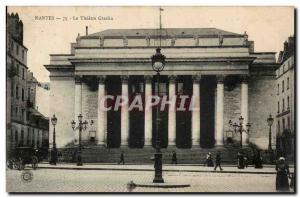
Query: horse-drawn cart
point(23, 156)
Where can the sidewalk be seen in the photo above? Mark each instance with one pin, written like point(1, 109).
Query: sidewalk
point(268, 169)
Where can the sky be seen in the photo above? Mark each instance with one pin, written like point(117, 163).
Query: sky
point(269, 27)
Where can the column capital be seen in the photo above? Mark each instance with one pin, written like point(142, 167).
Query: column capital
point(244, 79)
point(78, 79)
point(148, 78)
point(124, 78)
point(101, 78)
point(220, 79)
point(196, 78)
point(172, 78)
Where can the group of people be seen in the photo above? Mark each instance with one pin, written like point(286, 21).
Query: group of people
point(282, 177)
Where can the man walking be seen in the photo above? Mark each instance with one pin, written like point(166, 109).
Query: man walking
point(218, 161)
point(174, 158)
point(122, 158)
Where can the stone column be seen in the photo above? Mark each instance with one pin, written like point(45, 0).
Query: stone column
point(244, 106)
point(172, 112)
point(36, 133)
point(78, 103)
point(124, 113)
point(102, 117)
point(196, 112)
point(41, 138)
point(219, 125)
point(148, 111)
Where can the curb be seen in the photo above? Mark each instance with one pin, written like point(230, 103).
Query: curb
point(167, 170)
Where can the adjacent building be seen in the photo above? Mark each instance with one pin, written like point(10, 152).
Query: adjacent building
point(285, 117)
point(219, 68)
point(25, 125)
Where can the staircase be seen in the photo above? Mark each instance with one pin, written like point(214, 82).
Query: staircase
point(100, 154)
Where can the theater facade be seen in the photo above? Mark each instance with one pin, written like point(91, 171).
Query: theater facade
point(219, 70)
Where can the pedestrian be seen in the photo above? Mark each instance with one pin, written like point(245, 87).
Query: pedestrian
point(122, 158)
point(241, 162)
point(174, 158)
point(209, 160)
point(257, 160)
point(218, 161)
point(282, 181)
point(246, 160)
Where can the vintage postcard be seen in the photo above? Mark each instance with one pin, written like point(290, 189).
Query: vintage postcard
point(150, 99)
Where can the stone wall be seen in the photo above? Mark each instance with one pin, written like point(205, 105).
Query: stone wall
point(62, 105)
point(262, 102)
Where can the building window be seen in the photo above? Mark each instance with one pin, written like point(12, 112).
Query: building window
point(23, 114)
point(288, 102)
point(28, 94)
point(16, 138)
point(17, 69)
point(28, 136)
point(17, 92)
point(17, 50)
point(278, 89)
point(283, 86)
point(283, 106)
point(288, 83)
point(12, 46)
point(12, 89)
point(28, 115)
point(23, 73)
point(278, 126)
point(23, 54)
point(23, 95)
point(16, 112)
point(22, 137)
point(289, 122)
point(283, 123)
point(12, 110)
point(278, 107)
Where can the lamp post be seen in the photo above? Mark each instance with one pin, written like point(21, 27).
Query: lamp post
point(81, 126)
point(270, 121)
point(53, 154)
point(238, 128)
point(158, 64)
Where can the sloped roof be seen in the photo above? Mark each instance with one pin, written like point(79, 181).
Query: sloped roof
point(165, 32)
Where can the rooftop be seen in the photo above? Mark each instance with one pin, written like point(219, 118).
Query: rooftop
point(165, 31)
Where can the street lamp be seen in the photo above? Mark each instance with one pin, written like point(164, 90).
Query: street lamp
point(238, 128)
point(81, 126)
point(270, 121)
point(158, 64)
point(53, 154)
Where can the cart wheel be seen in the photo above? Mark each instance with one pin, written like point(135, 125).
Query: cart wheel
point(34, 162)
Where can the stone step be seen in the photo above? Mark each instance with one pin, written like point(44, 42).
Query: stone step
point(100, 154)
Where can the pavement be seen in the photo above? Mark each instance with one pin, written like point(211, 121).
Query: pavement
point(268, 169)
point(116, 181)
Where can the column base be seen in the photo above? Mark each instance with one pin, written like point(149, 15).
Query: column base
point(196, 146)
point(172, 143)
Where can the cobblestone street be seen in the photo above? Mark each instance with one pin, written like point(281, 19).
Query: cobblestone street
point(58, 180)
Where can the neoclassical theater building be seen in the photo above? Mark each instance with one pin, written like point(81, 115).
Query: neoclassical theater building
point(219, 68)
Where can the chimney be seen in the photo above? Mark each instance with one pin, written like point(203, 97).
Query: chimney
point(285, 46)
point(86, 30)
point(251, 46)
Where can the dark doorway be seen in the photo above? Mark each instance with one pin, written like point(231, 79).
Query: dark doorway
point(184, 87)
point(207, 111)
point(163, 124)
point(113, 87)
point(136, 115)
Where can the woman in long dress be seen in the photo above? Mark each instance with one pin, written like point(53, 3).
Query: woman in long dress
point(282, 181)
